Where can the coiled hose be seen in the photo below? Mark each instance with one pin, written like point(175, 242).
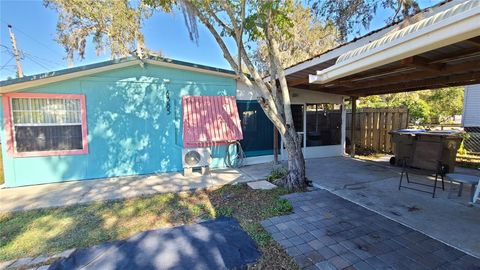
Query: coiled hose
point(234, 159)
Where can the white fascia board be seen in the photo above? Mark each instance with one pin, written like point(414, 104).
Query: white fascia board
point(449, 31)
point(77, 74)
point(73, 75)
point(313, 78)
point(188, 68)
point(336, 52)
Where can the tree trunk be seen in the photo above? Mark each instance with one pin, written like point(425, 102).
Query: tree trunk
point(295, 177)
point(293, 143)
point(275, 102)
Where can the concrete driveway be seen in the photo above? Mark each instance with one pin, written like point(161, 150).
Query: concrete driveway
point(374, 185)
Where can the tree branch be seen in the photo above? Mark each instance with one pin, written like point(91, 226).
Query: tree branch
point(266, 99)
point(220, 22)
point(238, 30)
point(231, 15)
point(261, 84)
point(240, 36)
point(216, 35)
point(274, 55)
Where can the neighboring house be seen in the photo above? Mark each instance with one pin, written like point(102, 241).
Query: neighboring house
point(124, 117)
point(471, 107)
point(471, 117)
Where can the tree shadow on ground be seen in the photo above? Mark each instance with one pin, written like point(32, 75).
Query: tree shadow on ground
point(47, 231)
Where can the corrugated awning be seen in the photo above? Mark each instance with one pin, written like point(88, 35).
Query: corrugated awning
point(458, 23)
point(210, 120)
point(392, 36)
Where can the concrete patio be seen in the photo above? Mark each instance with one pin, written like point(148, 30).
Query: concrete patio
point(374, 185)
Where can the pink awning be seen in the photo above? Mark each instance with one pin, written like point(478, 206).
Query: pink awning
point(210, 120)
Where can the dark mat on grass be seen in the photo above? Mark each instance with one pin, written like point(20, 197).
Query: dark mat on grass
point(216, 244)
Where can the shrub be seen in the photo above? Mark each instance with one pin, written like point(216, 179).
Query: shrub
point(277, 174)
point(280, 207)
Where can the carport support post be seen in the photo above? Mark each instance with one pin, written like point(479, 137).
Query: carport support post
point(353, 125)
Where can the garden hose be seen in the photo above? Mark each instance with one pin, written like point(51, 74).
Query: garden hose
point(234, 159)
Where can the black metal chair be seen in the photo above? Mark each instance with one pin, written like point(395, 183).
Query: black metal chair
point(426, 158)
point(441, 170)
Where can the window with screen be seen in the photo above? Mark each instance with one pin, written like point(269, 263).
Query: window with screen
point(44, 124)
point(324, 122)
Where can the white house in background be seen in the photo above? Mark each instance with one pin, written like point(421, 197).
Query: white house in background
point(471, 117)
point(471, 107)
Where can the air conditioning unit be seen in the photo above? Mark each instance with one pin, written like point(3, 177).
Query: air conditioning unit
point(195, 157)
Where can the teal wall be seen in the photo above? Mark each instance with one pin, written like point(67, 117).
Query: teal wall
point(257, 129)
point(129, 129)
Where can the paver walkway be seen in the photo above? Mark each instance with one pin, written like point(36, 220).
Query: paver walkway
point(328, 232)
point(374, 185)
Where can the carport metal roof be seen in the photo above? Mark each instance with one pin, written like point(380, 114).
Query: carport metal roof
point(440, 50)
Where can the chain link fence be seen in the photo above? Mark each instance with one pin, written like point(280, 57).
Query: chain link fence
point(472, 140)
point(469, 156)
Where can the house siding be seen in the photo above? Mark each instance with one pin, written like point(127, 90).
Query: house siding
point(471, 106)
point(131, 130)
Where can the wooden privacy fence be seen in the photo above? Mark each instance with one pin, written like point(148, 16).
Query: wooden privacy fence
point(373, 125)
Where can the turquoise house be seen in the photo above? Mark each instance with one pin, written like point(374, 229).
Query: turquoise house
point(114, 118)
point(136, 117)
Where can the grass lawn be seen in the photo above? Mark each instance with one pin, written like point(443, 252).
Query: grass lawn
point(468, 161)
point(48, 231)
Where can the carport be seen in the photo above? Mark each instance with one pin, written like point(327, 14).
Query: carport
point(441, 49)
point(437, 48)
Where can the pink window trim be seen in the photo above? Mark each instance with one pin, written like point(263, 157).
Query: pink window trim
point(7, 120)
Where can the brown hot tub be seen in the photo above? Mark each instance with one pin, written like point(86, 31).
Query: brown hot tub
point(424, 149)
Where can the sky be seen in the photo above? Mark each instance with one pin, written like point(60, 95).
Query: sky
point(35, 28)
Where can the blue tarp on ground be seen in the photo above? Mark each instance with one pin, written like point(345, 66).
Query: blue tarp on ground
point(216, 244)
